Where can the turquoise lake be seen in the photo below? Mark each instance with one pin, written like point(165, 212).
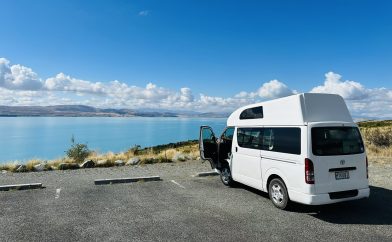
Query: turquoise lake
point(23, 138)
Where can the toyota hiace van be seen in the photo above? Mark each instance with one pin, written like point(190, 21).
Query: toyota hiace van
point(304, 148)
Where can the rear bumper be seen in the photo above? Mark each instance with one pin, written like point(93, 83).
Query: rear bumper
point(319, 199)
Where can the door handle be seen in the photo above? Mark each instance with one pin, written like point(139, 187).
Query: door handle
point(236, 149)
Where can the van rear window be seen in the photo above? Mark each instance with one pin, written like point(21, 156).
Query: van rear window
point(336, 141)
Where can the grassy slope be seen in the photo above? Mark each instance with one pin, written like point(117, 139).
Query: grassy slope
point(378, 139)
point(375, 124)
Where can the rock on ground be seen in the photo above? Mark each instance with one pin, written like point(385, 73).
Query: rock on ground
point(87, 164)
point(133, 161)
point(21, 168)
point(39, 167)
point(119, 163)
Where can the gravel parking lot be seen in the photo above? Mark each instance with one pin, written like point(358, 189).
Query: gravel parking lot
point(180, 207)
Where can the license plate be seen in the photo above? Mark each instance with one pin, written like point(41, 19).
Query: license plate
point(339, 175)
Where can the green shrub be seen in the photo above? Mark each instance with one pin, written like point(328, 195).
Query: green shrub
point(78, 152)
point(134, 150)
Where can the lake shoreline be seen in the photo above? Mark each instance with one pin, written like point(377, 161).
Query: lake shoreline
point(47, 138)
point(377, 137)
point(166, 153)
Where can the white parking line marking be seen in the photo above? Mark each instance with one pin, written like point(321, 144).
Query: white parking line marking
point(57, 193)
point(178, 184)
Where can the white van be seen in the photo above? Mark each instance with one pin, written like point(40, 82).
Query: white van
point(303, 148)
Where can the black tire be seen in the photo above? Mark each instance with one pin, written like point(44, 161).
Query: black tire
point(225, 175)
point(278, 193)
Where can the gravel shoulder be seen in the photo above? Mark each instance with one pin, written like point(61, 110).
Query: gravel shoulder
point(380, 174)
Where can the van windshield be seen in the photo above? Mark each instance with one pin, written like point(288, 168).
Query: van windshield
point(336, 141)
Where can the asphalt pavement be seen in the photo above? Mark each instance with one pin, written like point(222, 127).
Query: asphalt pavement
point(180, 207)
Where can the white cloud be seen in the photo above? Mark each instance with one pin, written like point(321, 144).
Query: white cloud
point(269, 90)
point(5, 70)
point(377, 104)
point(186, 95)
point(27, 98)
point(274, 89)
point(20, 85)
point(350, 90)
point(244, 94)
point(361, 101)
point(151, 92)
point(18, 77)
point(221, 104)
point(144, 13)
point(62, 82)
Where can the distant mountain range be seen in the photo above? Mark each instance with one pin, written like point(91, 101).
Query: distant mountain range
point(88, 111)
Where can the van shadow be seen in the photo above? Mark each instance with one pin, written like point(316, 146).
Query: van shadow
point(375, 210)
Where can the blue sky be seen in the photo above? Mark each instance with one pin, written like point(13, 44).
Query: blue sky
point(214, 48)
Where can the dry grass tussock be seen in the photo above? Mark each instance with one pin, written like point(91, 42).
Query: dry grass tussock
point(178, 153)
point(378, 142)
point(377, 136)
point(175, 152)
point(29, 165)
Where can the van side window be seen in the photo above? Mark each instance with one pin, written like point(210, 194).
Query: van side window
point(268, 140)
point(252, 113)
point(285, 140)
point(249, 138)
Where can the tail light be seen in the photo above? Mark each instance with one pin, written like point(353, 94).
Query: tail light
point(309, 171)
point(367, 168)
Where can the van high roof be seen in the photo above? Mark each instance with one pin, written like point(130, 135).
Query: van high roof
point(297, 109)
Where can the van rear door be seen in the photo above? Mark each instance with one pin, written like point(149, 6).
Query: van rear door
point(339, 159)
point(208, 146)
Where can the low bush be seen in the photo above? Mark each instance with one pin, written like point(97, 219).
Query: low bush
point(378, 136)
point(78, 152)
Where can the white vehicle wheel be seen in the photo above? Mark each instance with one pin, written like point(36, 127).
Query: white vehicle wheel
point(278, 193)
